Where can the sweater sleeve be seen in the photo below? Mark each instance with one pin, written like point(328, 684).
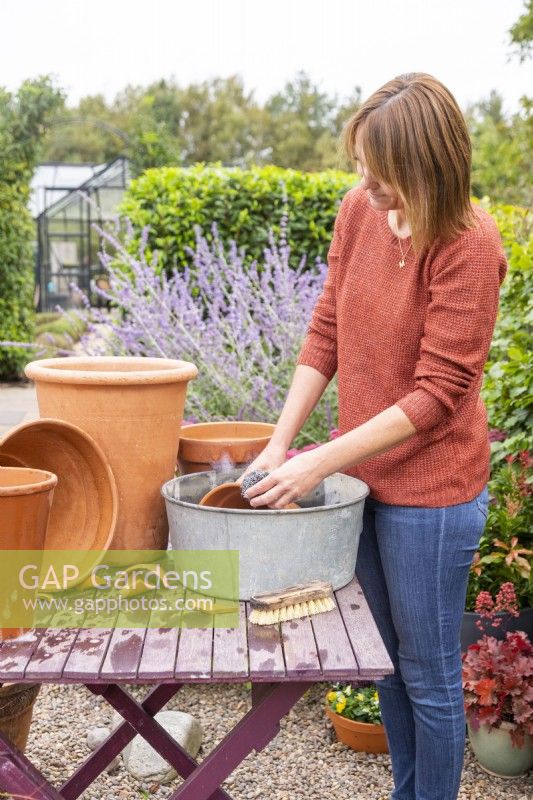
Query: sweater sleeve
point(319, 349)
point(458, 328)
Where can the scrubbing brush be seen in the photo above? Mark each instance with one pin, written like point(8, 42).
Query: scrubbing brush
point(252, 478)
point(293, 602)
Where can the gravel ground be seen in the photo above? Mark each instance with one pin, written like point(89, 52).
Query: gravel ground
point(304, 762)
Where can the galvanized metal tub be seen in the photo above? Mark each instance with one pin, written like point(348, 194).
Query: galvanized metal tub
point(277, 548)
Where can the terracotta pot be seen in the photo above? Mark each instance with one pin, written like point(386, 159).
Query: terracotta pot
point(364, 737)
point(25, 501)
point(228, 495)
point(208, 443)
point(16, 709)
point(495, 753)
point(133, 408)
point(85, 504)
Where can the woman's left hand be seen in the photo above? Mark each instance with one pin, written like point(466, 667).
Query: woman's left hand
point(294, 479)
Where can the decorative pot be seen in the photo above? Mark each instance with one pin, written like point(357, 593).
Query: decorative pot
point(470, 633)
point(207, 444)
point(365, 737)
point(84, 509)
point(25, 501)
point(495, 752)
point(16, 709)
point(133, 408)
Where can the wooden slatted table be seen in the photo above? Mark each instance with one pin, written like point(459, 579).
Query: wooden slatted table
point(281, 662)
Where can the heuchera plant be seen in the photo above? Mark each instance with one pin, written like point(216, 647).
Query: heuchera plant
point(498, 674)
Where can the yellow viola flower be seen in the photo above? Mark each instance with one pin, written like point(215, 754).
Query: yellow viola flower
point(359, 696)
point(341, 705)
point(332, 696)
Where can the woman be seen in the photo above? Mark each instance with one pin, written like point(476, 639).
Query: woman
point(405, 319)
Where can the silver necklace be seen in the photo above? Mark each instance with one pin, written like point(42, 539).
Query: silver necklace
point(401, 262)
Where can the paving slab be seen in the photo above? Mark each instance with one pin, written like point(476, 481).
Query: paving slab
point(18, 403)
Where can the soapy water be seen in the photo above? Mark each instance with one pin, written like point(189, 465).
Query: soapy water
point(224, 464)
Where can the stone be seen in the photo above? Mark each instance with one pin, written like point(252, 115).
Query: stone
point(96, 737)
point(144, 763)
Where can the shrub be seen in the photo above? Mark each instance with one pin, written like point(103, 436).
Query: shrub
point(241, 324)
point(16, 277)
point(506, 545)
point(508, 385)
point(244, 204)
point(22, 120)
point(60, 329)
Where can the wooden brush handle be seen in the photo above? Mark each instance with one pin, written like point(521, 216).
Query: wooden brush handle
point(299, 593)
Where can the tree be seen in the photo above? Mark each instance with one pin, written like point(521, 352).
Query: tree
point(215, 120)
point(303, 125)
point(522, 32)
point(23, 120)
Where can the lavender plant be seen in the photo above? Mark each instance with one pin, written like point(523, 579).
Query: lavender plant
point(242, 324)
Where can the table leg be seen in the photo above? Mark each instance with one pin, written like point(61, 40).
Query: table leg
point(117, 741)
point(253, 731)
point(138, 718)
point(20, 778)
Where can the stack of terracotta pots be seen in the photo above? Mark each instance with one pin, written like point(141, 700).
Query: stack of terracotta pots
point(129, 409)
point(109, 430)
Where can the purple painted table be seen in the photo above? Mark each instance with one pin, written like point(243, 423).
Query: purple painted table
point(281, 662)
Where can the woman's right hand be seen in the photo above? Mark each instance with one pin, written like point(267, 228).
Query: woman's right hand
point(272, 457)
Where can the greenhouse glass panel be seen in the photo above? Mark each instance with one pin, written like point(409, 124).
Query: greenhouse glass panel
point(68, 245)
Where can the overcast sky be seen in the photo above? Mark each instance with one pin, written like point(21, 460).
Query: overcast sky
point(99, 46)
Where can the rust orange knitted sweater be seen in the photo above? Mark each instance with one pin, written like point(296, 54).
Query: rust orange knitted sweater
point(416, 337)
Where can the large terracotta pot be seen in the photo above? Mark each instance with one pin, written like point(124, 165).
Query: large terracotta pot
point(495, 753)
point(364, 737)
point(25, 502)
point(16, 709)
point(84, 510)
point(207, 444)
point(133, 408)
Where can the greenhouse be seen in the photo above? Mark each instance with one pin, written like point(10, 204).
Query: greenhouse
point(68, 244)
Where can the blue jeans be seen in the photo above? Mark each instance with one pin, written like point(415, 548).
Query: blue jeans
point(413, 565)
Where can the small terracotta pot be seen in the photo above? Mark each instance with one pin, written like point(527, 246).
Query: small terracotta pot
point(364, 737)
point(25, 501)
point(84, 509)
point(133, 408)
point(228, 495)
point(207, 443)
point(16, 709)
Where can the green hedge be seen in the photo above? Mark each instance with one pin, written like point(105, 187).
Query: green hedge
point(508, 384)
point(23, 118)
point(243, 203)
point(16, 277)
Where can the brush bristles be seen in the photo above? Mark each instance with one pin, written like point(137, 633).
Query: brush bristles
point(295, 611)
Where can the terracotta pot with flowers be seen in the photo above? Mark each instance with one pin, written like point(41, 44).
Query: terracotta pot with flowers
point(498, 687)
point(355, 714)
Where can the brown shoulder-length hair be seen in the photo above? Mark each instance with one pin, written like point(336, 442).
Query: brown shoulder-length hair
point(415, 139)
